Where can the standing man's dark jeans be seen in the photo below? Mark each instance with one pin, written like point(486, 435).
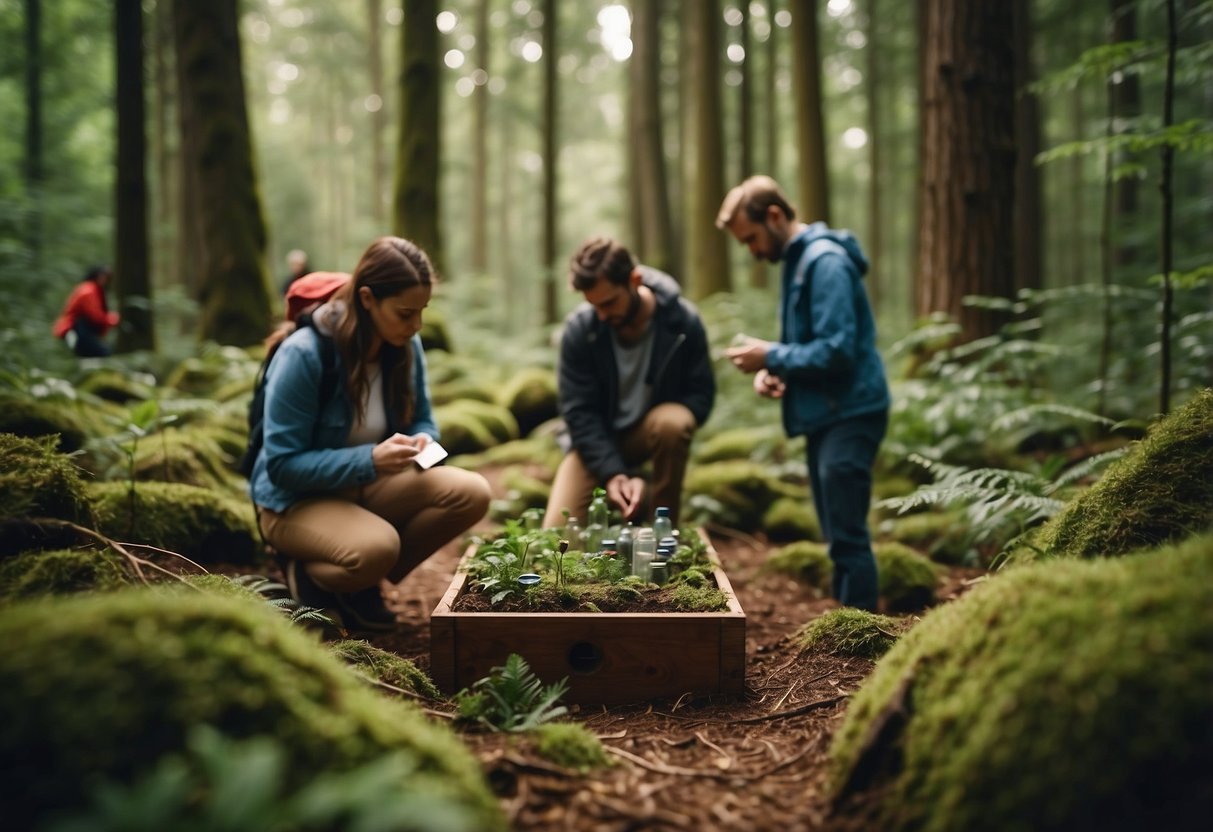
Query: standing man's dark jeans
point(88, 341)
point(840, 460)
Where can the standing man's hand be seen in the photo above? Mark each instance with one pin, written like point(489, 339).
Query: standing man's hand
point(626, 493)
point(768, 385)
point(750, 356)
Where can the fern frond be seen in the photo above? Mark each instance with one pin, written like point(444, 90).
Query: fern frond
point(1025, 415)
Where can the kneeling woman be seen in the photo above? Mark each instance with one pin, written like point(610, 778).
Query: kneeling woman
point(337, 492)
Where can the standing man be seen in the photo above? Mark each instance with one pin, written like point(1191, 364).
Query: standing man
point(825, 368)
point(297, 266)
point(635, 382)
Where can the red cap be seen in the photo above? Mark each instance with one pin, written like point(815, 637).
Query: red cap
point(312, 289)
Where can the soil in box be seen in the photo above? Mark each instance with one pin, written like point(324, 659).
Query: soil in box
point(647, 652)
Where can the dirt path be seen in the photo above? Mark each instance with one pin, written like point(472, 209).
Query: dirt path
point(756, 763)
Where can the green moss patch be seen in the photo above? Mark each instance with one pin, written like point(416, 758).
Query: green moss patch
point(193, 456)
point(384, 666)
point(805, 560)
point(942, 534)
point(756, 444)
point(62, 572)
point(106, 686)
point(38, 481)
point(1160, 491)
point(1061, 695)
point(850, 632)
point(58, 418)
point(570, 745)
point(907, 578)
point(205, 526)
point(531, 395)
point(739, 492)
point(790, 518)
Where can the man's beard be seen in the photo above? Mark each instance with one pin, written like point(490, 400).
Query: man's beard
point(775, 254)
point(633, 310)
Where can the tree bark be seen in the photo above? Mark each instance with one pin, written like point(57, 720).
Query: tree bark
point(551, 161)
point(655, 245)
point(1028, 244)
point(33, 126)
point(164, 233)
point(965, 230)
point(1168, 208)
point(1124, 103)
point(707, 253)
point(814, 197)
point(233, 292)
point(416, 213)
point(874, 244)
point(130, 193)
point(480, 143)
point(374, 16)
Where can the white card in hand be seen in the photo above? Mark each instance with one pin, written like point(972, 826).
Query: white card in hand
point(430, 455)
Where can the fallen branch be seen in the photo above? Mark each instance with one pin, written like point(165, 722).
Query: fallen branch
point(136, 562)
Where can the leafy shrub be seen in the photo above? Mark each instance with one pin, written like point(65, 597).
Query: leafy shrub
point(511, 698)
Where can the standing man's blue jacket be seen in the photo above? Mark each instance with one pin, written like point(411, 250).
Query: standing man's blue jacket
point(827, 353)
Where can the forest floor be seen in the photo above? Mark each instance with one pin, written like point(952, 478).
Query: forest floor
point(756, 762)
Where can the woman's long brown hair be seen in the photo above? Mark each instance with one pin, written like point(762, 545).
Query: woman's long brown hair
point(389, 266)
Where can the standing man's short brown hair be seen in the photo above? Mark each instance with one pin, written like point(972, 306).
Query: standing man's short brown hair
point(754, 196)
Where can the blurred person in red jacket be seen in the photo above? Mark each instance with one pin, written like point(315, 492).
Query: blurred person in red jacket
point(86, 316)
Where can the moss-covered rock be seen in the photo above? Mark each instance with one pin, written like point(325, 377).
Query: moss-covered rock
point(850, 632)
point(1162, 490)
point(461, 389)
point(889, 486)
point(205, 526)
point(118, 387)
point(806, 560)
point(38, 481)
point(1060, 696)
point(59, 418)
point(435, 334)
point(570, 745)
point(470, 427)
point(741, 491)
point(756, 444)
point(108, 685)
point(907, 578)
point(531, 395)
point(61, 572)
point(384, 666)
point(534, 451)
point(193, 456)
point(791, 519)
point(944, 535)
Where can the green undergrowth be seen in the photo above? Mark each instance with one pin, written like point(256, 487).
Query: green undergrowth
point(62, 572)
point(37, 481)
point(108, 686)
point(570, 745)
point(385, 667)
point(849, 632)
point(1063, 695)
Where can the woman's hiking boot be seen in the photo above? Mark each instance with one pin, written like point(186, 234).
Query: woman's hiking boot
point(365, 610)
point(305, 590)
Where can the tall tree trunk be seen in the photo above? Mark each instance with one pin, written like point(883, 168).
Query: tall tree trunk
point(708, 258)
point(655, 246)
point(134, 280)
point(416, 201)
point(873, 53)
point(1168, 208)
point(758, 269)
point(164, 235)
point(234, 292)
point(772, 97)
point(374, 17)
point(551, 161)
point(33, 127)
point(480, 143)
point(1124, 104)
point(1028, 247)
point(966, 241)
point(814, 197)
point(505, 224)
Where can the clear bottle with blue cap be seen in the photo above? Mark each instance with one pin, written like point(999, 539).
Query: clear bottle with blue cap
point(663, 526)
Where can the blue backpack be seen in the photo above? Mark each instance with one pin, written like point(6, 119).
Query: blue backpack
point(256, 410)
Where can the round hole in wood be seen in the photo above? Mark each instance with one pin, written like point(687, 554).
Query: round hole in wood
point(585, 657)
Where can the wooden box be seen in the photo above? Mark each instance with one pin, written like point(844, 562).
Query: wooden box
point(609, 658)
